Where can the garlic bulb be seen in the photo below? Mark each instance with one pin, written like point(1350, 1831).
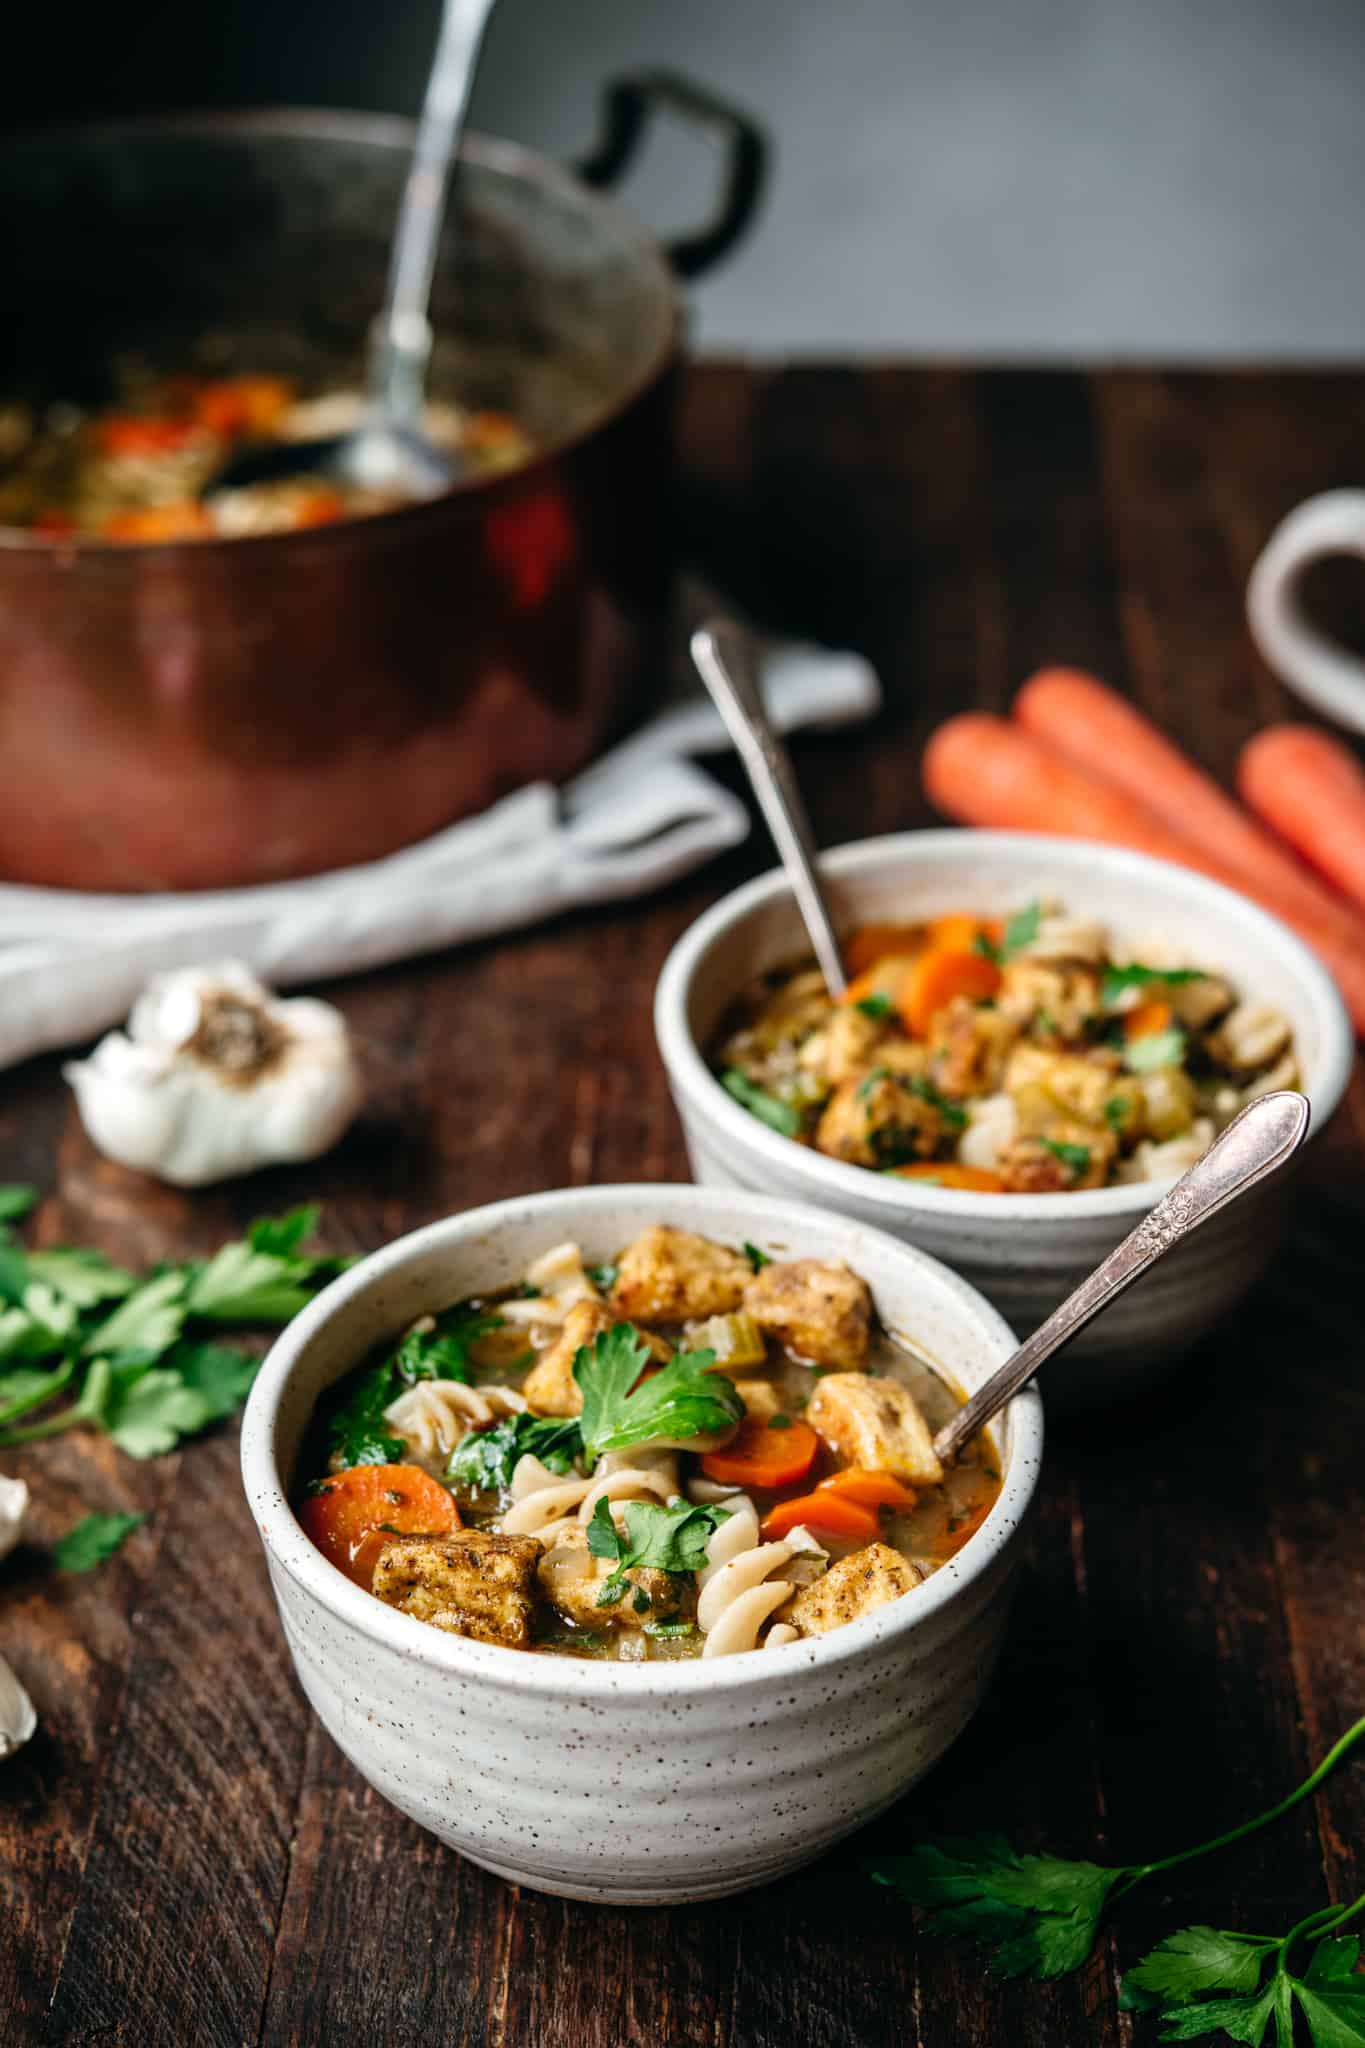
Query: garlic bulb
point(216, 1076)
point(17, 1718)
point(13, 1508)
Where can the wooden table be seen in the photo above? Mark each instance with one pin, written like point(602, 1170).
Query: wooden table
point(184, 1857)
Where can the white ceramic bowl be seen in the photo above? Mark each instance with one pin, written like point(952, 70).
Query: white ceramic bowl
point(643, 1784)
point(1025, 1252)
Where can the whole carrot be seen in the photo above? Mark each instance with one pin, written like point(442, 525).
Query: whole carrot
point(1109, 737)
point(1311, 790)
point(989, 771)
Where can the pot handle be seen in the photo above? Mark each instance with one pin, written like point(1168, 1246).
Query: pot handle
point(629, 106)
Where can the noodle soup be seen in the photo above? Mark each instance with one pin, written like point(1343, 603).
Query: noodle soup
point(690, 1451)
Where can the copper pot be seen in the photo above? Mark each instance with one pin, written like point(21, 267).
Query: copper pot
point(209, 713)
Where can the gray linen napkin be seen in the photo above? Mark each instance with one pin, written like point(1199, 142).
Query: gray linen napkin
point(71, 964)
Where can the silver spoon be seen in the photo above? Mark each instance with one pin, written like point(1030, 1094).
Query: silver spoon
point(1255, 1144)
point(388, 449)
point(725, 662)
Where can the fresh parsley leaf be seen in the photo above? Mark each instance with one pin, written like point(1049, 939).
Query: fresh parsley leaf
point(670, 1628)
point(16, 1199)
point(778, 1116)
point(145, 1323)
point(1116, 1112)
point(29, 1388)
point(1042, 1910)
point(282, 1235)
point(954, 1116)
point(603, 1278)
point(1334, 1962)
point(1336, 2018)
point(1193, 1961)
point(1156, 1049)
point(219, 1373)
point(1206, 1980)
point(1118, 980)
point(485, 1459)
point(145, 1409)
point(14, 1274)
point(84, 1278)
point(757, 1259)
point(666, 1539)
point(681, 1401)
point(242, 1285)
point(1020, 930)
point(876, 1005)
point(93, 1540)
point(357, 1433)
point(1242, 2019)
point(1076, 1158)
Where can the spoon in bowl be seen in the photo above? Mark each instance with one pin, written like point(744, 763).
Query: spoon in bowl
point(725, 662)
point(1263, 1138)
point(388, 449)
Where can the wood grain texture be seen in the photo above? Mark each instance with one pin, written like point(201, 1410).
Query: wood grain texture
point(184, 1856)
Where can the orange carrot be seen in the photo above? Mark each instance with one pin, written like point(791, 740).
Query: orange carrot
point(1146, 1019)
point(353, 1514)
point(870, 1489)
point(935, 978)
point(959, 931)
point(759, 1455)
point(967, 1528)
point(1109, 737)
point(874, 942)
point(177, 519)
point(949, 1173)
point(826, 1512)
point(1310, 789)
point(986, 771)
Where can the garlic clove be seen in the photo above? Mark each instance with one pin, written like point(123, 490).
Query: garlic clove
point(13, 1508)
point(17, 1717)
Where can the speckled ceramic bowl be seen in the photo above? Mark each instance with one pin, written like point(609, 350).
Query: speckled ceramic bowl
point(643, 1784)
point(1025, 1252)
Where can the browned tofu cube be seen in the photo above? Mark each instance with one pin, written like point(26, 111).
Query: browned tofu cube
point(874, 1423)
point(471, 1583)
point(670, 1276)
point(550, 1387)
point(572, 1579)
point(853, 1586)
point(818, 1308)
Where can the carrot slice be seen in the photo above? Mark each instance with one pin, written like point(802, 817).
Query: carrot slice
point(949, 1173)
point(759, 1455)
point(1144, 1020)
point(869, 1489)
point(987, 772)
point(242, 405)
point(935, 978)
point(846, 1520)
point(353, 1514)
point(180, 519)
point(874, 942)
point(136, 434)
point(1311, 789)
point(959, 931)
point(1106, 736)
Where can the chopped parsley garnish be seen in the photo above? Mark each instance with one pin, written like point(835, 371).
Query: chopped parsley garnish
point(1074, 1157)
point(670, 1628)
point(442, 1353)
point(779, 1116)
point(952, 1113)
point(1118, 980)
point(1116, 1112)
point(876, 1005)
point(357, 1433)
point(665, 1539)
point(92, 1540)
point(757, 1259)
point(888, 1141)
point(682, 1400)
point(1045, 1021)
point(16, 1199)
point(1020, 930)
point(779, 1422)
point(1157, 1049)
point(485, 1459)
point(603, 1278)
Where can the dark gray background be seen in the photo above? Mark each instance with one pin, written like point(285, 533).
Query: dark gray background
point(995, 177)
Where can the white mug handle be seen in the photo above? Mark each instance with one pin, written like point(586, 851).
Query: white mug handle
point(1318, 669)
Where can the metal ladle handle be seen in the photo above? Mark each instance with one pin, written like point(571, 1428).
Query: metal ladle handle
point(401, 346)
point(724, 660)
point(1255, 1144)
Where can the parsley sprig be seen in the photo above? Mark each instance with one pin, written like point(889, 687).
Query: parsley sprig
point(92, 1540)
point(777, 1115)
point(139, 1358)
point(1020, 930)
point(1118, 980)
point(1039, 1913)
point(484, 1460)
point(666, 1539)
point(681, 1401)
point(357, 1433)
point(1208, 1980)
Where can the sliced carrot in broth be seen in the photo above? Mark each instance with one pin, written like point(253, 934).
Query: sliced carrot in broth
point(1146, 1019)
point(825, 1513)
point(869, 1489)
point(932, 981)
point(950, 1173)
point(353, 1514)
point(763, 1456)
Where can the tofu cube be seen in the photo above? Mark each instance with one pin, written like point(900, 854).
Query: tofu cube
point(472, 1583)
point(818, 1308)
point(874, 1423)
point(670, 1276)
point(853, 1586)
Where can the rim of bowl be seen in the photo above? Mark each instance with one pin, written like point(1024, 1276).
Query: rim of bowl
point(286, 1543)
point(826, 1178)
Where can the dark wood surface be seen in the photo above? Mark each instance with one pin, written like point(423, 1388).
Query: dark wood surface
point(186, 1859)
